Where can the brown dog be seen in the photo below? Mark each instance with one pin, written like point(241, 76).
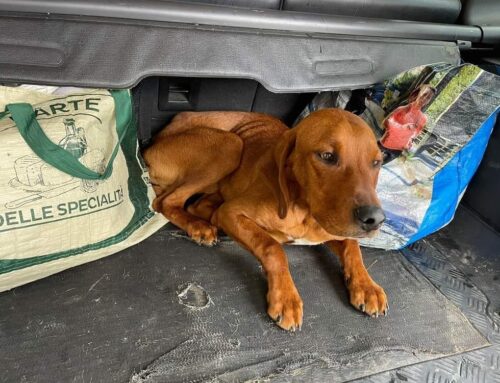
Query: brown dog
point(266, 185)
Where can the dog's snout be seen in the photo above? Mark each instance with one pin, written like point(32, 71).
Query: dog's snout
point(369, 217)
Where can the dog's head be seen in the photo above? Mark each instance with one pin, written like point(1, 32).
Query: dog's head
point(333, 159)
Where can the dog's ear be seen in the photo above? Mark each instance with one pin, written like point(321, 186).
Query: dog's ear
point(283, 150)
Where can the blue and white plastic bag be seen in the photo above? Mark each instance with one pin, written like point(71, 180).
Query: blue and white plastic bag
point(420, 185)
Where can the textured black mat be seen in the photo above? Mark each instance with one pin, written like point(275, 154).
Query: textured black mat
point(463, 261)
point(170, 311)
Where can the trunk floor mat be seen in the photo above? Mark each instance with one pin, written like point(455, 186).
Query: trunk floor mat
point(463, 262)
point(168, 310)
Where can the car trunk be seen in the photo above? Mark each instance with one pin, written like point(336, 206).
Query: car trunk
point(167, 310)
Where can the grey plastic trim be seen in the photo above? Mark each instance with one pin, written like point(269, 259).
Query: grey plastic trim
point(491, 35)
point(481, 12)
point(118, 54)
point(24, 54)
point(434, 11)
point(205, 14)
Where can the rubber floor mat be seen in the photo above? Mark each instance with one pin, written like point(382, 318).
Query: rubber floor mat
point(168, 310)
point(462, 261)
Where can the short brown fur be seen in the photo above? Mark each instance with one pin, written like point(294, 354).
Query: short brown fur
point(266, 185)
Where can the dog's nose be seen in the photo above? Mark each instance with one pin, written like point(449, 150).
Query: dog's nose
point(369, 217)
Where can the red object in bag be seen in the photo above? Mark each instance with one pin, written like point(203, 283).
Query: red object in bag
point(407, 121)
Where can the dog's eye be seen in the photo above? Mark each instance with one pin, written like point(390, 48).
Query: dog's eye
point(329, 157)
point(376, 163)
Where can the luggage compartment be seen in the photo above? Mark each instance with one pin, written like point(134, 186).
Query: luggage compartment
point(167, 310)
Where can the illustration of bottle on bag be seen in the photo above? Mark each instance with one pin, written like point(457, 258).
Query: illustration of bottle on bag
point(74, 142)
point(42, 180)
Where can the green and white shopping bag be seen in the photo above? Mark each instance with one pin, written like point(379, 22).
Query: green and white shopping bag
point(73, 187)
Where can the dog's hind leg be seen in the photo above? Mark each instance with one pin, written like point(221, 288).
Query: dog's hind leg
point(184, 164)
point(206, 206)
point(172, 207)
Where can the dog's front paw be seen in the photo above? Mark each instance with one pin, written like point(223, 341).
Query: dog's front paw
point(367, 296)
point(202, 233)
point(285, 307)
